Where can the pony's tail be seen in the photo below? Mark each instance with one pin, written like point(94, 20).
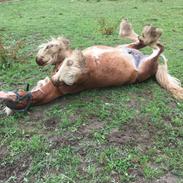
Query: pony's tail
point(167, 81)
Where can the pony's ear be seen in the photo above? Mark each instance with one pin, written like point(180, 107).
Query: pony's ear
point(64, 42)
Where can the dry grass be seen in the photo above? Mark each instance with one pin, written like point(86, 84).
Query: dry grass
point(10, 54)
point(106, 27)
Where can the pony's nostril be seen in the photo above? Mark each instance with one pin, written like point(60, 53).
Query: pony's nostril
point(39, 60)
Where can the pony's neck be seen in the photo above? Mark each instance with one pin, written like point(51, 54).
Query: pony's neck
point(60, 60)
point(62, 56)
point(68, 53)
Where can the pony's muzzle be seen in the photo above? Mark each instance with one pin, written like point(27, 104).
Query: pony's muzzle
point(39, 61)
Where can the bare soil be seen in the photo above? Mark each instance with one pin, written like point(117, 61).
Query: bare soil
point(86, 130)
point(51, 123)
point(168, 178)
point(134, 133)
point(1, 1)
point(3, 152)
point(17, 169)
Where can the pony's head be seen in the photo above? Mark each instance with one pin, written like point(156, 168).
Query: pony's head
point(71, 69)
point(52, 52)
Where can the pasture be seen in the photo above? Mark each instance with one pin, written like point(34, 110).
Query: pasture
point(121, 134)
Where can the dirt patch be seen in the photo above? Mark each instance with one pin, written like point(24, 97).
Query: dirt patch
point(36, 115)
point(51, 124)
point(2, 83)
point(148, 94)
point(56, 141)
point(16, 169)
point(75, 138)
point(59, 141)
point(63, 101)
point(94, 124)
point(133, 103)
point(119, 137)
point(1, 1)
point(3, 152)
point(73, 117)
point(82, 169)
point(134, 133)
point(168, 178)
point(167, 118)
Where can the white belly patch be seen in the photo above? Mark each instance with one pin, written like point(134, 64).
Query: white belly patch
point(97, 52)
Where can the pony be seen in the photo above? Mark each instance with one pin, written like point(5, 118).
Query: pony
point(95, 67)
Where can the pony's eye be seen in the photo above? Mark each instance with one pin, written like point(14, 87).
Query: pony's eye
point(49, 46)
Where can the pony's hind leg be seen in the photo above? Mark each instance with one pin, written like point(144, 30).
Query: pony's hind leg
point(149, 36)
point(148, 66)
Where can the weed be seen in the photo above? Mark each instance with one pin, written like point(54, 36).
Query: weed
point(106, 27)
point(10, 55)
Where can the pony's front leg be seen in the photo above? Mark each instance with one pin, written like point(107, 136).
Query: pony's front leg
point(149, 36)
point(22, 100)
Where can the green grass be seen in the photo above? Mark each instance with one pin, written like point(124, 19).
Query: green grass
point(122, 134)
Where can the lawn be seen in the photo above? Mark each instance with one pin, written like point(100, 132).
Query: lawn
point(122, 134)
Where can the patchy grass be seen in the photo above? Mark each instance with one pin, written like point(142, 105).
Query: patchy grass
point(122, 134)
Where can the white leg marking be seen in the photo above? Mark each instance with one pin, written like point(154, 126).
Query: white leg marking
point(8, 111)
point(164, 58)
point(154, 54)
point(41, 83)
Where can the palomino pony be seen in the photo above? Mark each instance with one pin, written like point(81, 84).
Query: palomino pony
point(95, 67)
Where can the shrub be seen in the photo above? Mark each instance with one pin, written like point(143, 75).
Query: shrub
point(106, 27)
point(10, 54)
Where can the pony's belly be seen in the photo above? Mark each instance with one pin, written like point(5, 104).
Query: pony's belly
point(113, 69)
point(132, 55)
point(136, 56)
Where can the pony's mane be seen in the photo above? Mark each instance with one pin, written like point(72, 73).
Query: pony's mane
point(55, 40)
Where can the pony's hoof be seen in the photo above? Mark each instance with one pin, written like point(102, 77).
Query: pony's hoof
point(151, 35)
point(125, 28)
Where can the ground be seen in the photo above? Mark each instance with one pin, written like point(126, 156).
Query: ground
point(121, 134)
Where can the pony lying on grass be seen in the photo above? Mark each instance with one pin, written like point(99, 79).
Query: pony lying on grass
point(95, 67)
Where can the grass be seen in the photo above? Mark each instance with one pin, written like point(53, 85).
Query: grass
point(122, 134)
